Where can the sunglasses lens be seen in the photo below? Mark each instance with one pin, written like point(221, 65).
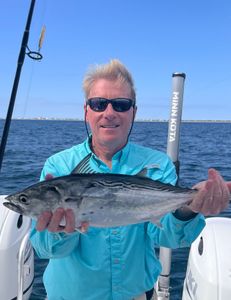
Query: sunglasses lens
point(118, 104)
point(98, 104)
point(121, 105)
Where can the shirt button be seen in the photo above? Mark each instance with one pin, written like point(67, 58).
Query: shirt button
point(56, 236)
point(183, 243)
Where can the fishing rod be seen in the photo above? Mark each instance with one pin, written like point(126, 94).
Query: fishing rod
point(165, 254)
point(32, 54)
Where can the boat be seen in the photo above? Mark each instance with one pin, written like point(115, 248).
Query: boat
point(16, 255)
point(208, 273)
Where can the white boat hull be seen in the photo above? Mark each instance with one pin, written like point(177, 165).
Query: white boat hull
point(13, 228)
point(208, 274)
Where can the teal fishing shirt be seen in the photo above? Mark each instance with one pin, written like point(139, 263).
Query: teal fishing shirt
point(117, 263)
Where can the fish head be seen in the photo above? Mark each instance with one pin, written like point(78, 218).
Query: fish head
point(32, 201)
point(18, 202)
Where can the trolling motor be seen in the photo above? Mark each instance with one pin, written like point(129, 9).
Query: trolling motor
point(162, 286)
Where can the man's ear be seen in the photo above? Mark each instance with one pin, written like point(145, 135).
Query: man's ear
point(135, 110)
point(85, 111)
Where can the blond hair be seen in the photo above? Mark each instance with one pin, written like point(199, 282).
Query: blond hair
point(114, 70)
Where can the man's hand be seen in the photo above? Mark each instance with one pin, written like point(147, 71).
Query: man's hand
point(213, 195)
point(53, 221)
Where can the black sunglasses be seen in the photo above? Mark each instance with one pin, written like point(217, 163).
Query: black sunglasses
point(99, 104)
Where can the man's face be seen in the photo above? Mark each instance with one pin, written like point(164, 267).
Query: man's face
point(109, 128)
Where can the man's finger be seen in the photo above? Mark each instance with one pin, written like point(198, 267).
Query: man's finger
point(54, 225)
point(43, 220)
point(70, 221)
point(197, 202)
point(213, 174)
point(49, 176)
point(228, 183)
point(84, 226)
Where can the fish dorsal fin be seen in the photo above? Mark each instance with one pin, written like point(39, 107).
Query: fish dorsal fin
point(144, 171)
point(84, 166)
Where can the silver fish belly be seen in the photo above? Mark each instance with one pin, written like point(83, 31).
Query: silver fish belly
point(103, 200)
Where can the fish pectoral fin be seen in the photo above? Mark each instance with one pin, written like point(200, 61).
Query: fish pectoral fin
point(73, 199)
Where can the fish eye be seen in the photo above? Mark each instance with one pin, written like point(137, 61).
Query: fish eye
point(23, 199)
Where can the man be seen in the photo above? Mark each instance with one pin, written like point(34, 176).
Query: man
point(115, 263)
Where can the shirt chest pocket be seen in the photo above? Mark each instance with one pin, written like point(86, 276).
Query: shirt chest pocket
point(94, 248)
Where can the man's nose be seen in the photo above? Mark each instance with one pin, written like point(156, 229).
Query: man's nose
point(109, 111)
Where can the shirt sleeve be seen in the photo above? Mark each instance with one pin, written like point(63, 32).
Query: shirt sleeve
point(174, 233)
point(165, 172)
point(49, 168)
point(53, 245)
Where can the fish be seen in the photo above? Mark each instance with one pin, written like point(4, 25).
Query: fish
point(102, 200)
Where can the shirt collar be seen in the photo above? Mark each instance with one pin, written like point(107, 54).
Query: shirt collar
point(119, 157)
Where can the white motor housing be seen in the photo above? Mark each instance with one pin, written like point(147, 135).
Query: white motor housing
point(208, 274)
point(13, 228)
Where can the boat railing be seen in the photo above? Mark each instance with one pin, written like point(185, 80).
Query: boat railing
point(21, 267)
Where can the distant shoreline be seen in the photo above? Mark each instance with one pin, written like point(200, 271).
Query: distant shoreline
point(138, 120)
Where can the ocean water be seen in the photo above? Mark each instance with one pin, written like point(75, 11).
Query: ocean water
point(202, 146)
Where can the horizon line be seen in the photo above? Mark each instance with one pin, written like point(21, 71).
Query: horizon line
point(137, 120)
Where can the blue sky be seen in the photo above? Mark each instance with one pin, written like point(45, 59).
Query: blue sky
point(152, 38)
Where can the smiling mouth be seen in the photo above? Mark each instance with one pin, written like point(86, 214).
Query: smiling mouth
point(109, 126)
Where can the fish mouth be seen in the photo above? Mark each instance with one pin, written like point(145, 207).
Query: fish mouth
point(13, 207)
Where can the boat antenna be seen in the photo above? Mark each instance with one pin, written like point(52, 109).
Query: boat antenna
point(32, 54)
point(165, 254)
